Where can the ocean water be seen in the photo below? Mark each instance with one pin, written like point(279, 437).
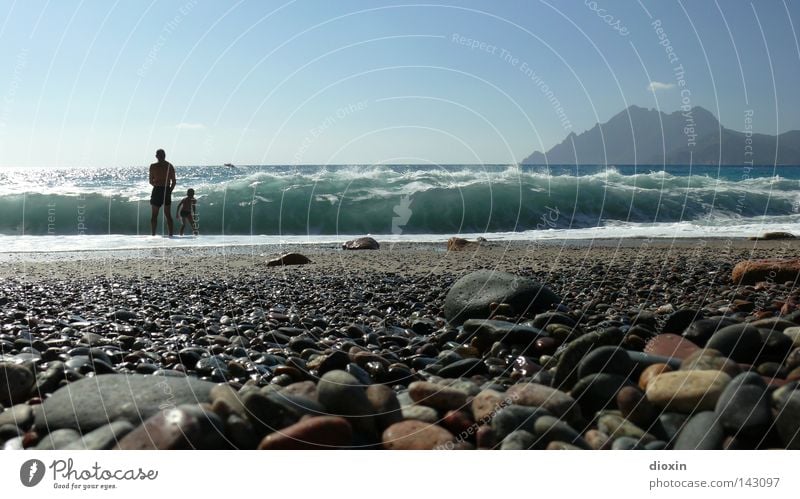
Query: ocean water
point(52, 210)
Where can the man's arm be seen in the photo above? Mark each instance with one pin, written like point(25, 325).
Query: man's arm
point(172, 181)
point(152, 175)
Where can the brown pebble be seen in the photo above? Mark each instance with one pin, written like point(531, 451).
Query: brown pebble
point(311, 433)
point(437, 396)
point(417, 435)
point(459, 423)
point(651, 372)
point(598, 440)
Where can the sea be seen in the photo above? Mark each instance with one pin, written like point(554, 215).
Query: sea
point(49, 210)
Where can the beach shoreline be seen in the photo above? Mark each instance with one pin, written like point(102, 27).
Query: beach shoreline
point(401, 257)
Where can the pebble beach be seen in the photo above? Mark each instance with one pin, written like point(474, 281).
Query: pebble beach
point(605, 344)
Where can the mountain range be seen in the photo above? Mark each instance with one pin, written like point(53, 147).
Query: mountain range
point(647, 136)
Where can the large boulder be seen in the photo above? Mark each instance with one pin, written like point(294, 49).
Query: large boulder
point(362, 243)
point(471, 296)
point(93, 402)
point(777, 270)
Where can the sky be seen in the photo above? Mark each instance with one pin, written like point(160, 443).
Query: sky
point(103, 83)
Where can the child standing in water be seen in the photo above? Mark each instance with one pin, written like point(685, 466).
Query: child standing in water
point(187, 211)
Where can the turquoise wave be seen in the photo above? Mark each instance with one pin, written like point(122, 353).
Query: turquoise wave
point(392, 200)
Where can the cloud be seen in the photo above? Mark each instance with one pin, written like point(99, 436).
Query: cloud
point(657, 85)
point(190, 126)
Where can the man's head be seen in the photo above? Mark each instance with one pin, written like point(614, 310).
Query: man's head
point(160, 155)
point(190, 193)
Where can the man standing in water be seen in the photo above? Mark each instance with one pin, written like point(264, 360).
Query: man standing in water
point(162, 178)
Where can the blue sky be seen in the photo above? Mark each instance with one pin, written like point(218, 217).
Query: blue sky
point(104, 83)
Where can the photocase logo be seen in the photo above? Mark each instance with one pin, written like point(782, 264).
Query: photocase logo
point(31, 472)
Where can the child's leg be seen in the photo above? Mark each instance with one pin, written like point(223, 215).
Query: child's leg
point(183, 225)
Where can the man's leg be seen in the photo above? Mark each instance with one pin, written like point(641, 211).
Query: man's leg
point(168, 216)
point(153, 219)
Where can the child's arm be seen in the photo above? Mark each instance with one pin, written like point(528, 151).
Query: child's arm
point(178, 210)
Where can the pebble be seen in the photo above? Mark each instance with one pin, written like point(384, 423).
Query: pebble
point(793, 333)
point(130, 397)
point(598, 440)
point(464, 367)
point(651, 372)
point(439, 397)
point(787, 420)
point(20, 415)
point(616, 426)
point(58, 439)
point(670, 345)
point(471, 296)
point(548, 429)
point(343, 395)
point(740, 342)
point(16, 382)
point(486, 403)
point(385, 406)
point(518, 440)
point(417, 435)
point(687, 391)
point(701, 330)
point(702, 432)
point(102, 438)
point(311, 433)
point(516, 417)
point(635, 407)
point(598, 391)
point(628, 443)
point(744, 406)
point(420, 412)
point(556, 402)
point(181, 428)
point(606, 360)
point(710, 360)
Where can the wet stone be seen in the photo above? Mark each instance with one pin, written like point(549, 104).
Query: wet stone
point(701, 432)
point(313, 433)
point(16, 382)
point(416, 435)
point(471, 296)
point(556, 402)
point(518, 440)
point(58, 439)
point(437, 396)
point(787, 420)
point(740, 342)
point(19, 415)
point(687, 391)
point(615, 426)
point(598, 391)
point(607, 360)
point(420, 412)
point(516, 417)
point(129, 397)
point(184, 427)
point(548, 429)
point(102, 438)
point(385, 406)
point(744, 406)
